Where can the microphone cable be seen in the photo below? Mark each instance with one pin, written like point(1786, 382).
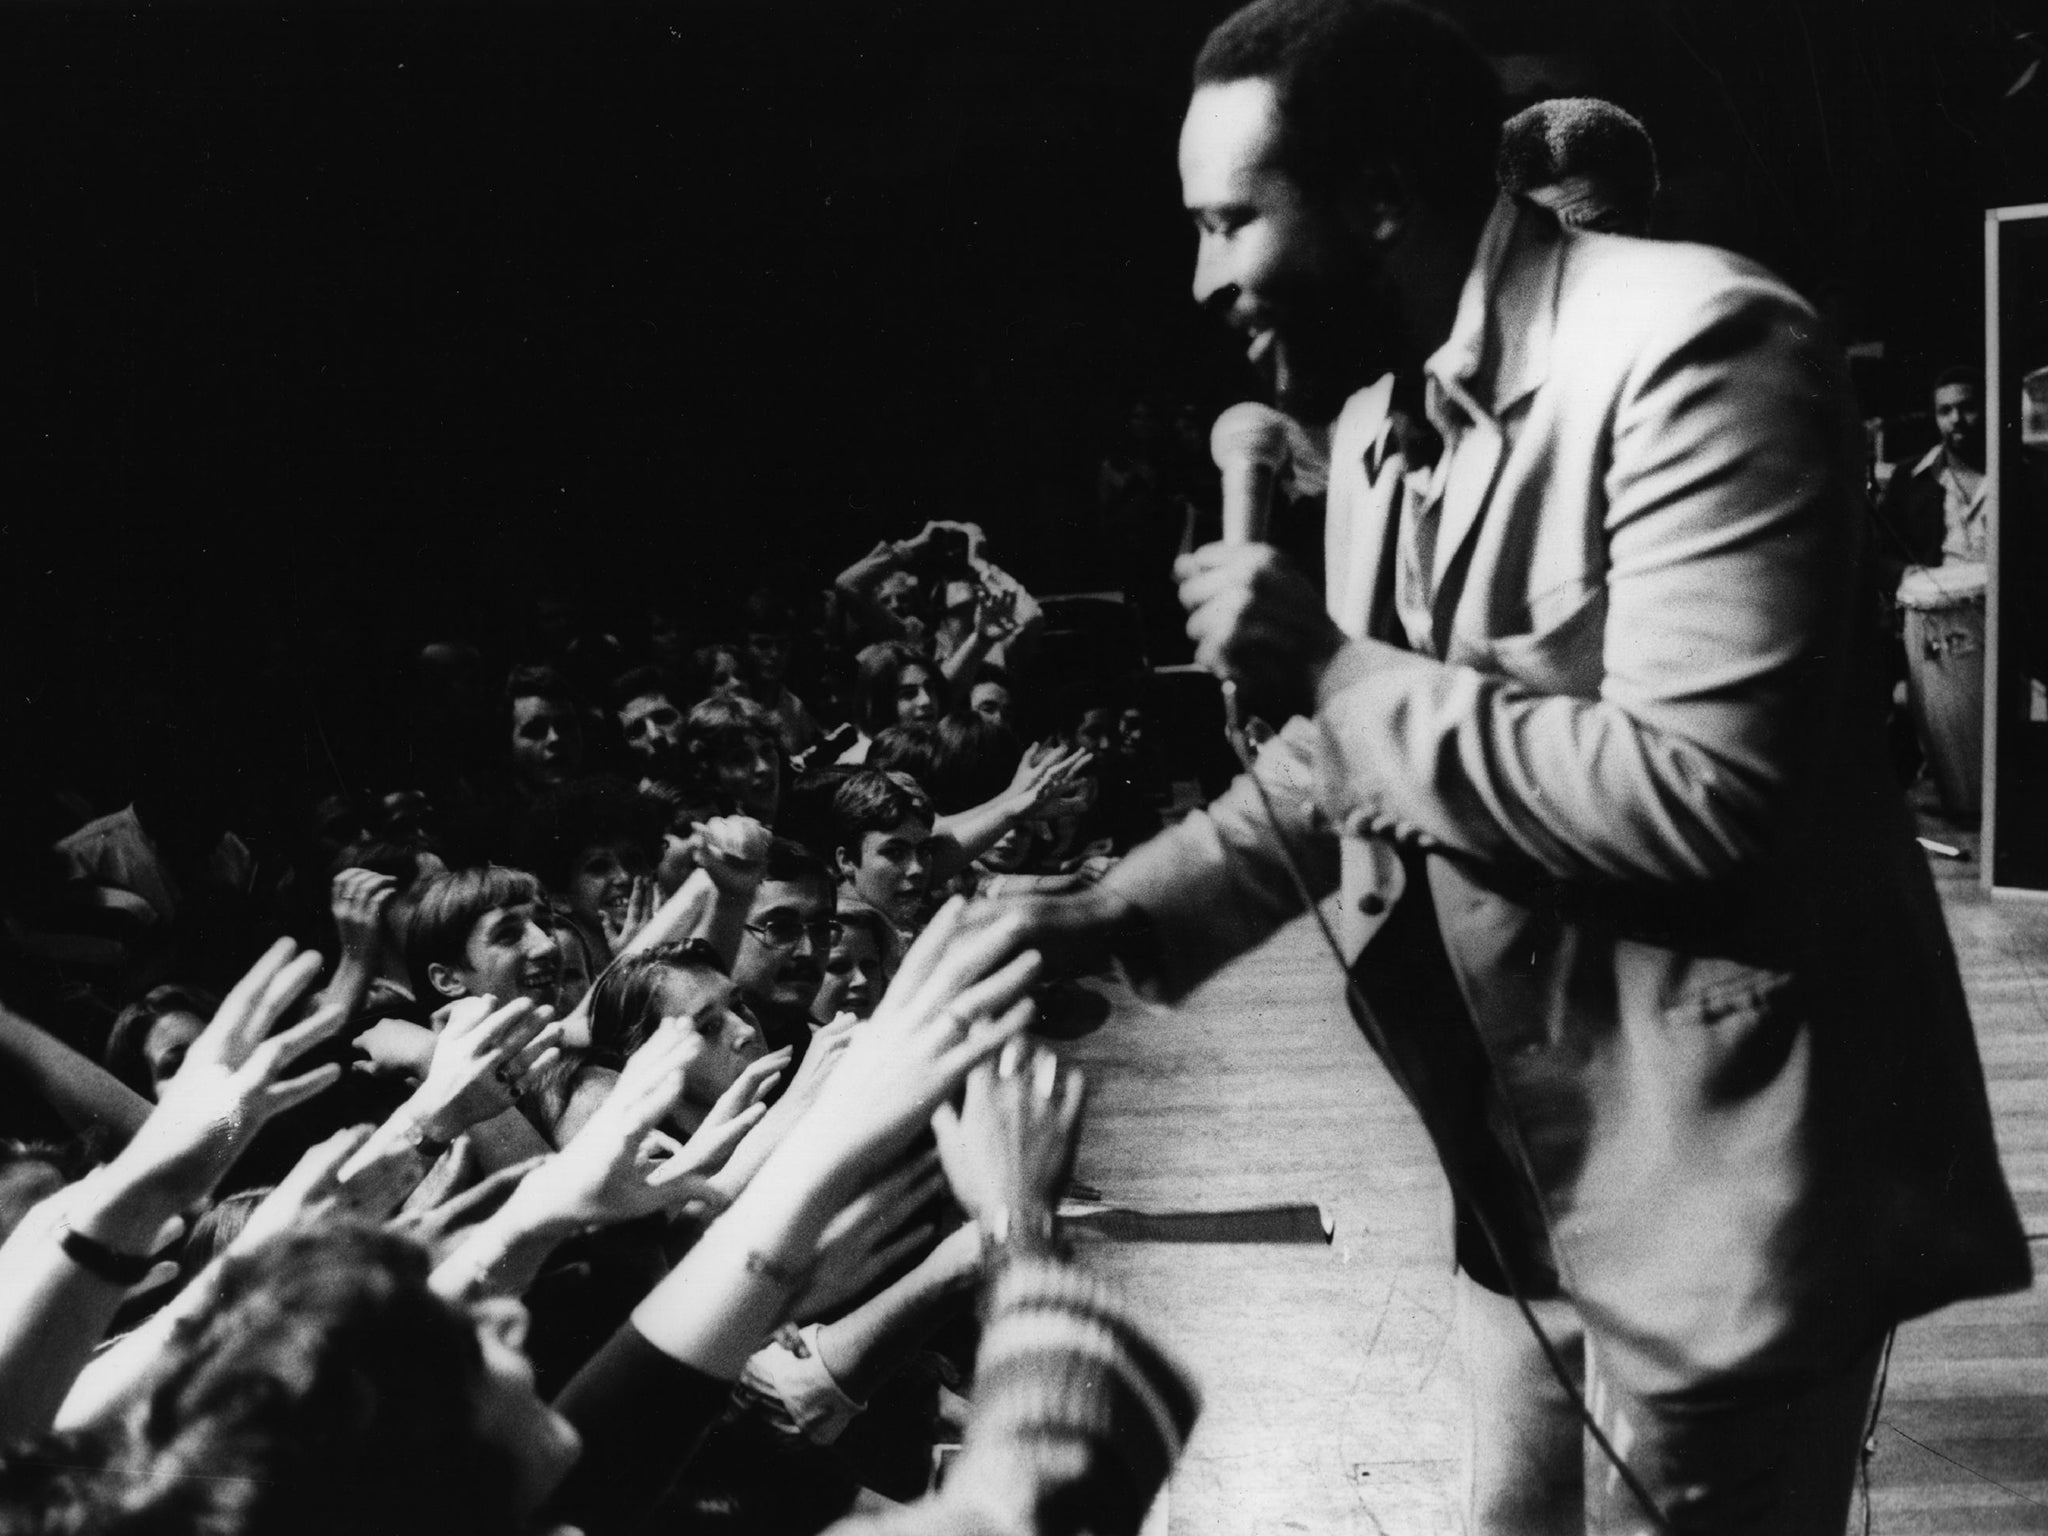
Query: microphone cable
point(1369, 1025)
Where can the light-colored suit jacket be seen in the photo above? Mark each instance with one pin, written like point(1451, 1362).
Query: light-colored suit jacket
point(1700, 973)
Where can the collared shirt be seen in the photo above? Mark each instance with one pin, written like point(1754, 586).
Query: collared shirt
point(1962, 504)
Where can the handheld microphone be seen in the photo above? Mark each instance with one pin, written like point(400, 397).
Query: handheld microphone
point(1250, 444)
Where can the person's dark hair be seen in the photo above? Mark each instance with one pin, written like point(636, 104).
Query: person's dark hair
point(718, 727)
point(806, 814)
point(1960, 373)
point(1365, 85)
point(625, 1005)
point(639, 682)
point(213, 1232)
point(583, 814)
point(907, 749)
point(853, 913)
point(442, 913)
point(705, 664)
point(125, 1055)
point(793, 864)
point(976, 761)
point(527, 682)
point(875, 801)
point(1581, 136)
point(325, 1391)
point(874, 690)
point(384, 856)
point(767, 612)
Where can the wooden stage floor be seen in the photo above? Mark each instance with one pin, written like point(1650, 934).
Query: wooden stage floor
point(1330, 1374)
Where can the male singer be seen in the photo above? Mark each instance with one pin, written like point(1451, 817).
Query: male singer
point(1668, 980)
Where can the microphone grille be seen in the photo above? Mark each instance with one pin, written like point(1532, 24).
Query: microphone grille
point(1249, 430)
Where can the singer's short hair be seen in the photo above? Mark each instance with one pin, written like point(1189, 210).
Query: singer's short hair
point(1365, 85)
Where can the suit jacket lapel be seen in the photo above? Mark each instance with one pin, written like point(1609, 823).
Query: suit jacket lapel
point(1515, 329)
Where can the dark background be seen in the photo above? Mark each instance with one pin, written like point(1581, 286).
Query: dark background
point(419, 312)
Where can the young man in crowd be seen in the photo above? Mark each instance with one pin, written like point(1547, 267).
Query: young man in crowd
point(545, 741)
point(482, 933)
point(881, 824)
point(649, 709)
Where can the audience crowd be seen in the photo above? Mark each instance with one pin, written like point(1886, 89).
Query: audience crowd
point(569, 1086)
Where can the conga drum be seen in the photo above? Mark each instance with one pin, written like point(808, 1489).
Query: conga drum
point(1944, 613)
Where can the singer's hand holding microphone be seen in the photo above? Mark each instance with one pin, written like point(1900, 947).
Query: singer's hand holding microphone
point(1252, 616)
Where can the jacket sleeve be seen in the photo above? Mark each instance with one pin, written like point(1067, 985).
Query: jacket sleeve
point(1729, 551)
point(1217, 884)
point(1078, 1418)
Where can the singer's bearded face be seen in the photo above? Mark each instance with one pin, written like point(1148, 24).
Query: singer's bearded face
point(1302, 286)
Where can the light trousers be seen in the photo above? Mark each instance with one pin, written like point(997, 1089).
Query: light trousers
point(1756, 1458)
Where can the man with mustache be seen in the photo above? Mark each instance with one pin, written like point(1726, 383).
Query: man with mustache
point(1576, 733)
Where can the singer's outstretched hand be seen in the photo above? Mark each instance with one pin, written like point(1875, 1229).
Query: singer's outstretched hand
point(1254, 617)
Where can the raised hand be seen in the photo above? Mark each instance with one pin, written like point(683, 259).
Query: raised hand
point(749, 1089)
point(995, 612)
point(1010, 1145)
point(959, 996)
point(358, 899)
point(733, 851)
point(439, 1221)
point(621, 931)
point(1047, 777)
point(480, 1057)
point(315, 1191)
point(880, 1230)
point(233, 1081)
point(617, 1168)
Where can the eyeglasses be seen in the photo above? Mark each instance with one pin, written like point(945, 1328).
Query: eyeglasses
point(781, 930)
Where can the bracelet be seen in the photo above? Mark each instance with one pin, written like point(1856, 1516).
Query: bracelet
point(100, 1261)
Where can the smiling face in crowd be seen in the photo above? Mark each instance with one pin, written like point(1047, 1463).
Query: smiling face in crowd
point(511, 953)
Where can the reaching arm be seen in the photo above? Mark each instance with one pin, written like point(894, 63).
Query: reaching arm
point(85, 1094)
point(856, 586)
point(65, 1271)
point(863, 1347)
point(359, 899)
point(1045, 777)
